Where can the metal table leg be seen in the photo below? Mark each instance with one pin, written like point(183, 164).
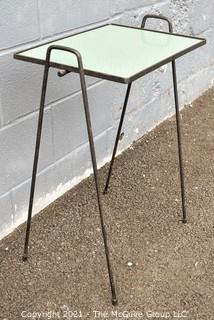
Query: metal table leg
point(178, 125)
point(117, 138)
point(93, 157)
point(36, 157)
point(125, 105)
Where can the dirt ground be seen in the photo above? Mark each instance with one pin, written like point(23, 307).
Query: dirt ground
point(163, 269)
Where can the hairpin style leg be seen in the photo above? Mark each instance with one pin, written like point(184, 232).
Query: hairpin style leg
point(117, 137)
point(36, 157)
point(158, 17)
point(92, 150)
point(178, 126)
point(178, 121)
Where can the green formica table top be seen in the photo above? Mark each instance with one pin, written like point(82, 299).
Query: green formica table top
point(115, 52)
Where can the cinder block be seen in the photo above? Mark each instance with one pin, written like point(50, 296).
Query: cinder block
point(20, 87)
point(201, 16)
point(128, 132)
point(17, 143)
point(21, 84)
point(129, 18)
point(6, 214)
point(198, 59)
point(59, 88)
point(180, 16)
point(153, 113)
point(144, 90)
point(141, 92)
point(57, 17)
point(143, 119)
point(136, 123)
point(48, 184)
point(69, 124)
point(82, 155)
point(65, 156)
point(151, 86)
point(125, 5)
point(205, 55)
point(57, 178)
point(19, 22)
point(194, 86)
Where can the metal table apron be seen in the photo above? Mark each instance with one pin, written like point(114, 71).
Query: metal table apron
point(57, 47)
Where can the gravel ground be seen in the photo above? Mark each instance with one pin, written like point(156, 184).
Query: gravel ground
point(161, 266)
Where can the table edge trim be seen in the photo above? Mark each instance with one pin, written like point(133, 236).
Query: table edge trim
point(106, 76)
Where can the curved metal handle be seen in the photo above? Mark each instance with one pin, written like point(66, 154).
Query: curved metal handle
point(80, 66)
point(67, 49)
point(159, 17)
point(62, 73)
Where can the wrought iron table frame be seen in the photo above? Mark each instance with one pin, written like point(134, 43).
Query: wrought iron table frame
point(82, 72)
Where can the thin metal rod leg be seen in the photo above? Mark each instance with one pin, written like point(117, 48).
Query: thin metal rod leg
point(178, 125)
point(94, 163)
point(117, 138)
point(35, 164)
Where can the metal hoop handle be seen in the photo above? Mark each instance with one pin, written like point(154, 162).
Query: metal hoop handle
point(61, 73)
point(159, 17)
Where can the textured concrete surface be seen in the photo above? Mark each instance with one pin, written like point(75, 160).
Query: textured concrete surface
point(30, 22)
point(160, 265)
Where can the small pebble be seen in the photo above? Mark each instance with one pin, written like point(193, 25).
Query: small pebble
point(130, 264)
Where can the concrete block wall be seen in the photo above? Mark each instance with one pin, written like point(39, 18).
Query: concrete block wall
point(64, 158)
